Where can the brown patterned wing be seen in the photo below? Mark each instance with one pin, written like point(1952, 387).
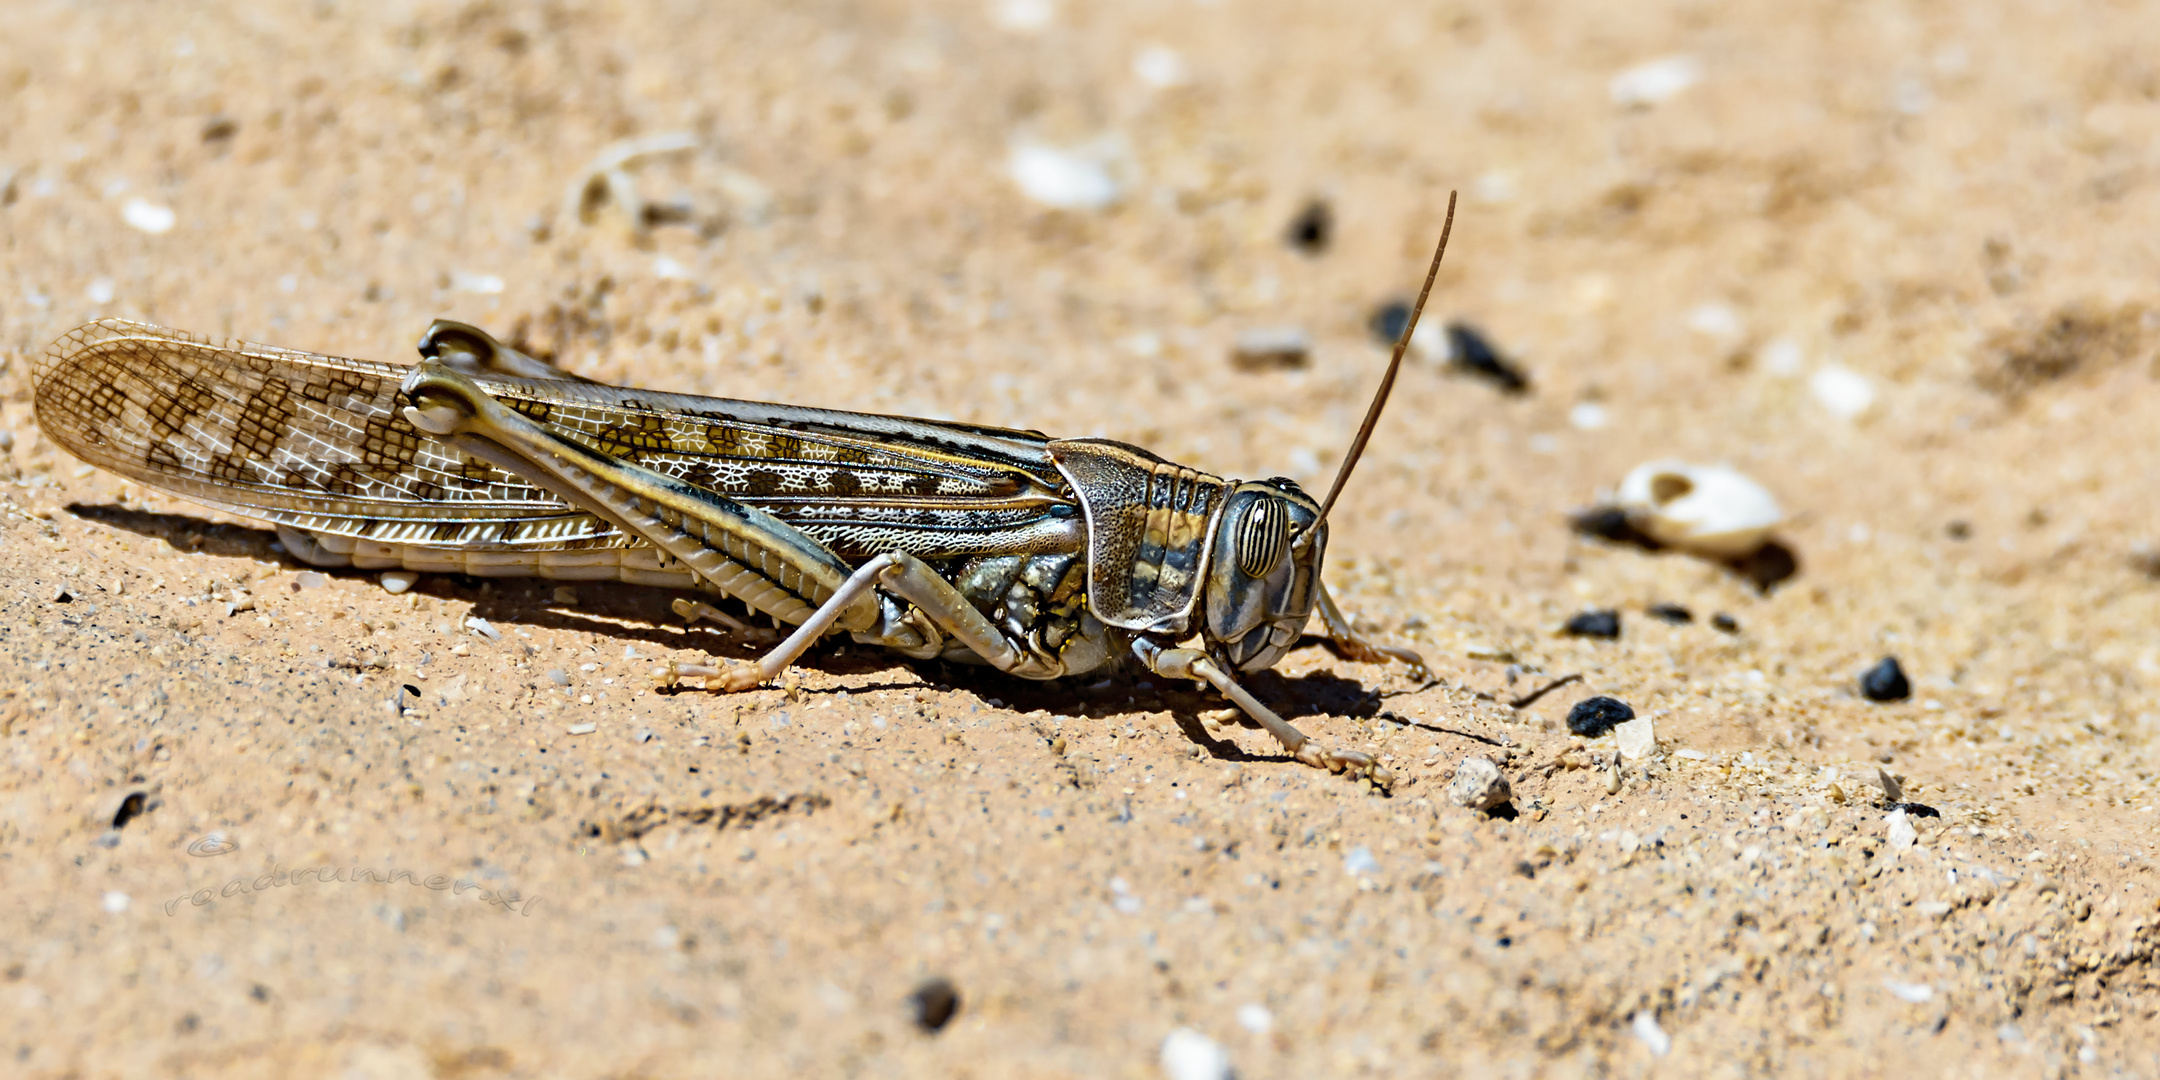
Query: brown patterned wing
point(316, 442)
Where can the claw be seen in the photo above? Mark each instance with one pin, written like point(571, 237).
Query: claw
point(729, 679)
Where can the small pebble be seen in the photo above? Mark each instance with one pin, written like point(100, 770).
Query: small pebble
point(1712, 510)
point(1911, 993)
point(583, 729)
point(1062, 179)
point(1256, 1018)
point(1313, 228)
point(1278, 348)
point(565, 594)
point(1846, 394)
point(1638, 739)
point(116, 902)
point(1885, 682)
point(1601, 623)
point(1388, 321)
point(1654, 82)
point(1672, 613)
point(1958, 530)
point(1725, 622)
point(1592, 717)
point(1478, 785)
point(1473, 354)
point(397, 581)
point(1189, 1055)
point(1646, 1028)
point(483, 628)
point(933, 1003)
point(7, 438)
point(308, 579)
point(149, 217)
point(1901, 833)
point(558, 676)
point(1360, 862)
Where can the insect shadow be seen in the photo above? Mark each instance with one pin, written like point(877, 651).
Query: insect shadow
point(641, 613)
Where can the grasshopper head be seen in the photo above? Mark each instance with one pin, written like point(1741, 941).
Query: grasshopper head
point(1266, 573)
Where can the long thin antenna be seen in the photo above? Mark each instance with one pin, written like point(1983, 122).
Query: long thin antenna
point(1387, 382)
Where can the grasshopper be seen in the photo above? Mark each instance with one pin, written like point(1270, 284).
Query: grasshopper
point(1041, 557)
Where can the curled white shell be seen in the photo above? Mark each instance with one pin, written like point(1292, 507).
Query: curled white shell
point(1712, 510)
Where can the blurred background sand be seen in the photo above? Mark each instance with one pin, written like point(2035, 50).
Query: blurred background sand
point(1894, 262)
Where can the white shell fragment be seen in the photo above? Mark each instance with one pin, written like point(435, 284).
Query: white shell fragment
point(1712, 510)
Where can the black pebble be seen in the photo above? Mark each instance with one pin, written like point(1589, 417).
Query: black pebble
point(1725, 622)
point(1958, 530)
point(1598, 624)
point(934, 1002)
point(131, 807)
point(1312, 229)
point(1592, 717)
point(1913, 809)
point(1477, 356)
point(1885, 682)
point(1388, 321)
point(1672, 613)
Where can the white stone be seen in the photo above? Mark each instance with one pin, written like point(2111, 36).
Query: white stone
point(1845, 393)
point(1189, 1055)
point(1902, 835)
point(100, 291)
point(480, 284)
point(1360, 862)
point(1911, 993)
point(1646, 1028)
point(1062, 179)
point(397, 581)
point(148, 216)
point(1638, 740)
point(1159, 66)
point(1478, 785)
point(116, 902)
point(1589, 416)
point(1654, 82)
point(1712, 510)
point(1714, 320)
point(1256, 1018)
point(1783, 358)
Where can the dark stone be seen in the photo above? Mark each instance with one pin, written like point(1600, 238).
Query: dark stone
point(1672, 613)
point(131, 807)
point(1477, 356)
point(1958, 530)
point(1313, 228)
point(934, 1002)
point(1603, 623)
point(1725, 622)
point(1388, 321)
point(1592, 717)
point(1885, 682)
point(1913, 809)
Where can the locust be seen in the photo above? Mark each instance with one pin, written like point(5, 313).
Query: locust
point(1041, 557)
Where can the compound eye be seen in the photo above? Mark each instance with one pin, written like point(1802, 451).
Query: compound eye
point(1262, 536)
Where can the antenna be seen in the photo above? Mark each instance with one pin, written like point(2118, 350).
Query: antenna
point(1387, 382)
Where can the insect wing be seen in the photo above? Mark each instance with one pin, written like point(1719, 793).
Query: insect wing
point(312, 441)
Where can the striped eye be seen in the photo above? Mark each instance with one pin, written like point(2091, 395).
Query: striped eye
point(1261, 537)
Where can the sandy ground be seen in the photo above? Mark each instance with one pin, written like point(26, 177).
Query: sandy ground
point(1954, 204)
